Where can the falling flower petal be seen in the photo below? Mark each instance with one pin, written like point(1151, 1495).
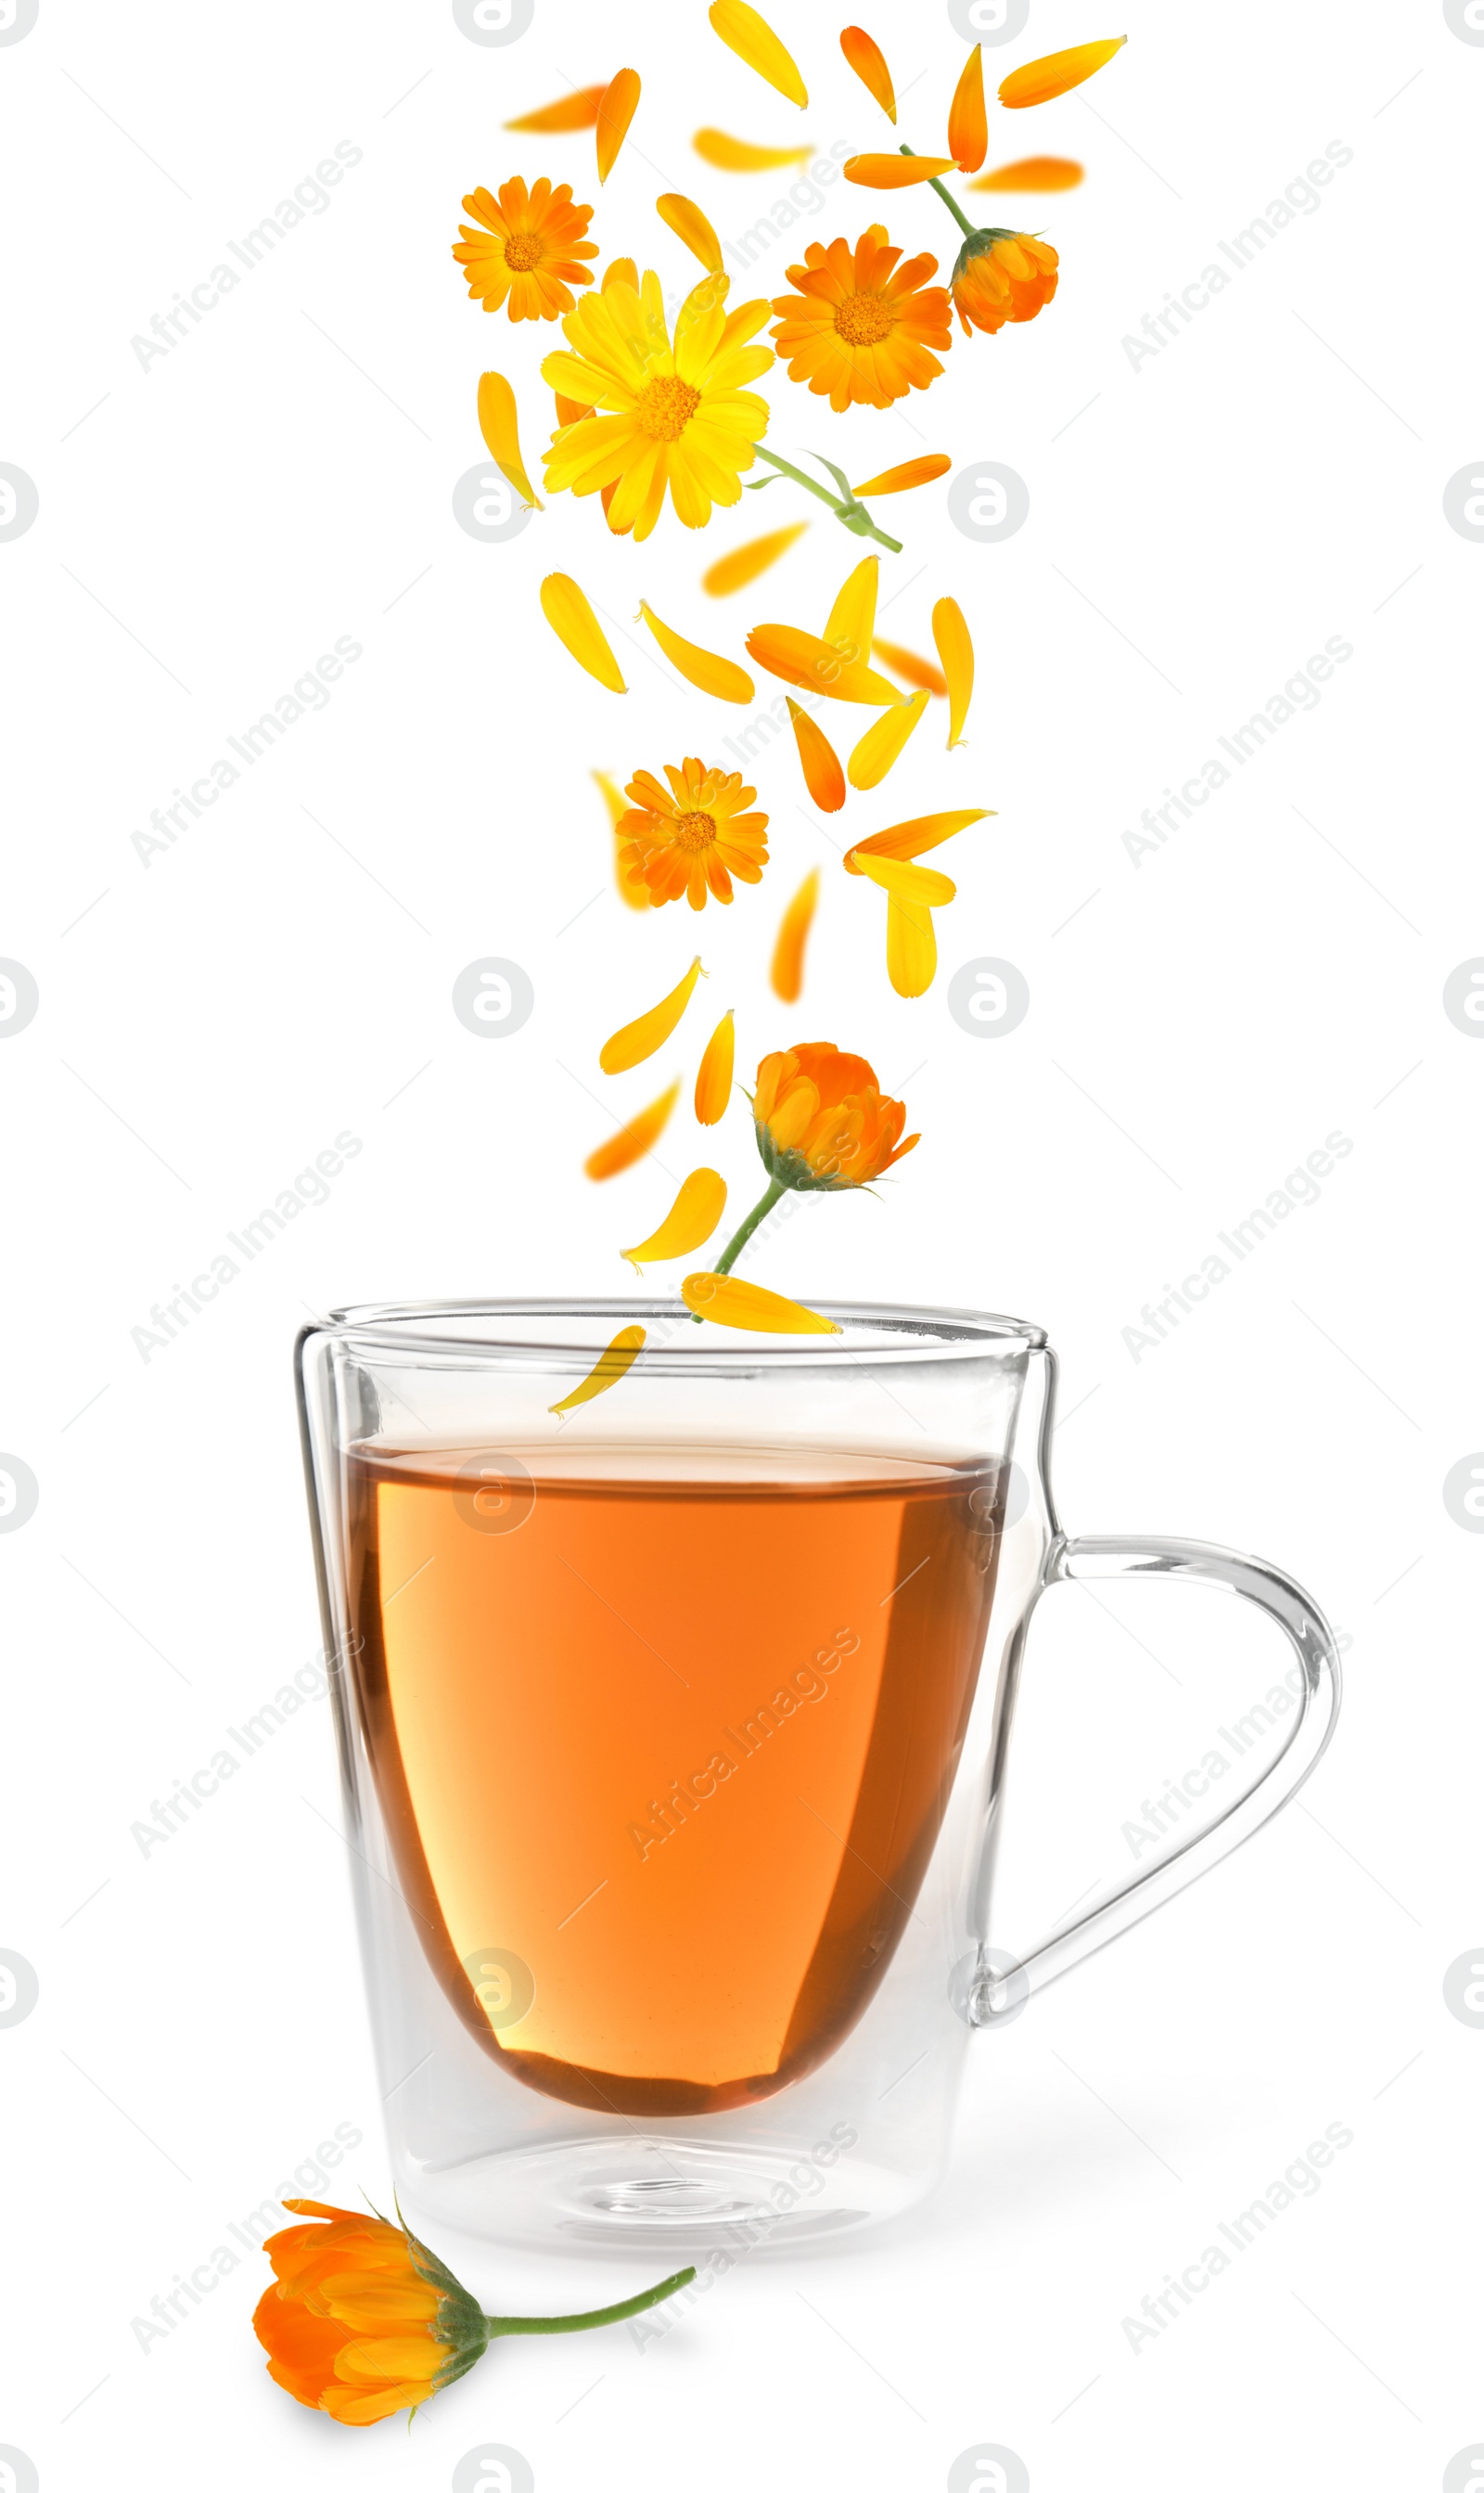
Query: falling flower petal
point(917, 883)
point(696, 231)
point(722, 1299)
point(702, 667)
point(689, 1223)
point(640, 1038)
point(895, 172)
point(579, 630)
point(800, 659)
point(852, 616)
point(735, 156)
point(754, 42)
point(882, 742)
point(913, 840)
point(867, 61)
point(713, 1077)
point(968, 128)
point(1039, 81)
point(911, 946)
point(787, 973)
point(1033, 173)
point(914, 471)
point(917, 671)
point(500, 427)
point(746, 562)
point(615, 111)
point(618, 805)
point(612, 1366)
point(632, 1140)
point(575, 112)
point(950, 633)
point(823, 776)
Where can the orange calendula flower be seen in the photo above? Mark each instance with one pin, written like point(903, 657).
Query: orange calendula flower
point(702, 667)
point(1033, 173)
point(968, 128)
point(1000, 276)
point(735, 156)
point(912, 471)
point(754, 41)
point(746, 1307)
point(748, 563)
point(566, 609)
point(500, 427)
point(575, 112)
point(618, 805)
point(688, 1224)
point(616, 109)
point(859, 328)
point(640, 1038)
point(666, 418)
point(917, 671)
point(531, 252)
point(611, 1367)
point(713, 1077)
point(785, 973)
point(692, 839)
point(632, 1140)
point(869, 62)
point(820, 1121)
point(823, 776)
point(694, 229)
point(1057, 73)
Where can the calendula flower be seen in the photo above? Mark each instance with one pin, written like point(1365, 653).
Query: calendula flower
point(616, 107)
point(737, 156)
point(365, 2321)
point(612, 1365)
point(705, 668)
point(913, 472)
point(689, 1223)
point(869, 62)
point(1055, 73)
point(575, 112)
point(754, 41)
point(747, 562)
point(640, 1038)
point(668, 418)
point(531, 252)
point(859, 328)
point(785, 973)
point(1033, 173)
point(999, 275)
point(713, 1074)
point(694, 837)
point(821, 1122)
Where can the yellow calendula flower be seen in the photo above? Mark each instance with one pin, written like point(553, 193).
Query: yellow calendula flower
point(675, 419)
point(691, 839)
point(530, 253)
point(859, 329)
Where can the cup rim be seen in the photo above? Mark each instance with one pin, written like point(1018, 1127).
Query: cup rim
point(434, 1327)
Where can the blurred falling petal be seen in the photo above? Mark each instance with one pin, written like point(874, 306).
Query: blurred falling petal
point(913, 840)
point(576, 627)
point(632, 1140)
point(968, 128)
point(914, 471)
point(702, 667)
point(1055, 73)
point(911, 946)
point(713, 1077)
point(787, 973)
point(869, 62)
point(1033, 173)
point(640, 1038)
point(618, 805)
point(722, 1299)
point(500, 427)
point(917, 671)
point(747, 562)
point(955, 648)
point(823, 776)
point(614, 1366)
point(882, 742)
point(689, 1223)
point(735, 156)
point(754, 42)
point(615, 111)
point(575, 112)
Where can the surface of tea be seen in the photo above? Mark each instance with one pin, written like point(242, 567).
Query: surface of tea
point(663, 1740)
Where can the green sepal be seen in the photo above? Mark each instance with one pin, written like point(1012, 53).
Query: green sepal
point(979, 243)
point(790, 1168)
point(459, 2324)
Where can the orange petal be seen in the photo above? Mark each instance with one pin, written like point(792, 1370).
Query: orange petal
point(689, 1223)
point(640, 1038)
point(748, 562)
point(917, 671)
point(787, 973)
point(968, 128)
point(1033, 173)
point(634, 896)
point(911, 946)
point(632, 1140)
point(575, 112)
point(913, 840)
point(1055, 73)
point(615, 111)
point(696, 231)
point(498, 422)
point(613, 1364)
point(866, 60)
point(754, 41)
point(914, 471)
point(883, 741)
point(895, 172)
point(702, 667)
point(799, 659)
point(713, 1078)
point(735, 156)
point(919, 884)
point(571, 617)
point(955, 649)
point(722, 1299)
point(823, 776)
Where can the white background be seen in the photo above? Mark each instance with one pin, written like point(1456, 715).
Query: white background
point(1199, 1024)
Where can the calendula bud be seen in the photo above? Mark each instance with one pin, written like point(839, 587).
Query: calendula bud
point(1000, 276)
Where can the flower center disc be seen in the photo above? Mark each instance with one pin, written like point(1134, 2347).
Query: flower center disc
point(523, 251)
point(863, 320)
point(665, 407)
point(697, 832)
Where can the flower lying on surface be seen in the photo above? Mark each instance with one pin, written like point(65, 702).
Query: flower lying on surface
point(820, 1122)
point(1000, 276)
point(363, 2319)
point(530, 255)
point(858, 328)
point(693, 839)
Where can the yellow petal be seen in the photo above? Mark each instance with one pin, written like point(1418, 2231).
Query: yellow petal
point(1039, 81)
point(911, 946)
point(713, 1078)
point(823, 776)
point(689, 1223)
point(1033, 173)
point(754, 41)
point(579, 630)
point(696, 231)
point(852, 616)
point(632, 1140)
point(950, 633)
point(917, 671)
point(914, 471)
point(634, 896)
point(869, 62)
point(702, 667)
point(640, 1038)
point(801, 659)
point(613, 1364)
point(746, 562)
point(615, 113)
point(882, 742)
point(969, 129)
point(895, 172)
point(913, 839)
point(918, 883)
point(575, 112)
point(735, 156)
point(787, 973)
point(499, 425)
point(722, 1299)
point(621, 272)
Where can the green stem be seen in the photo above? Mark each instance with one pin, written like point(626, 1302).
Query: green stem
point(603, 2319)
point(757, 1214)
point(830, 501)
point(946, 196)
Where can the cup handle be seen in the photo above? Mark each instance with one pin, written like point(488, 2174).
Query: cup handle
point(1001, 1986)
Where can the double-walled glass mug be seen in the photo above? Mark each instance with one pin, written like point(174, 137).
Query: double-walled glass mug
point(674, 1736)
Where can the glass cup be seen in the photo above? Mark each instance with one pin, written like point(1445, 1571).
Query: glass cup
point(674, 1735)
